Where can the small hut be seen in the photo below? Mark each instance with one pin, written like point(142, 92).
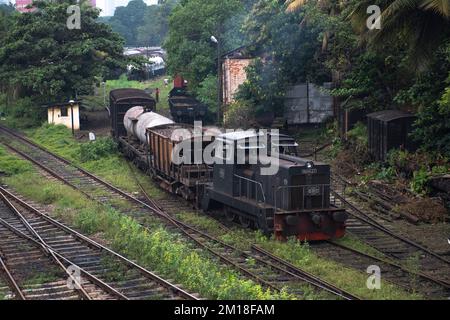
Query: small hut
point(388, 130)
point(67, 114)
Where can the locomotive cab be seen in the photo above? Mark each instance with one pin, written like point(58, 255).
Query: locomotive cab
point(282, 144)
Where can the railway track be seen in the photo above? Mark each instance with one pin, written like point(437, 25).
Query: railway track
point(265, 268)
point(25, 262)
point(393, 272)
point(411, 281)
point(260, 269)
point(106, 274)
point(430, 265)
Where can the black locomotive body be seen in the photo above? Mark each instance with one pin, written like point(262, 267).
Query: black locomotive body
point(292, 200)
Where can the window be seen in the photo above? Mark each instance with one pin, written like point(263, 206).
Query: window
point(64, 112)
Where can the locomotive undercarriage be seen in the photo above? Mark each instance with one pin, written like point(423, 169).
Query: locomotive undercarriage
point(303, 224)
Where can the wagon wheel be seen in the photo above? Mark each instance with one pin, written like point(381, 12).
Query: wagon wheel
point(229, 215)
point(245, 222)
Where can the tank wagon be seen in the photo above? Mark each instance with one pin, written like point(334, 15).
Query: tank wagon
point(293, 201)
point(136, 122)
point(183, 107)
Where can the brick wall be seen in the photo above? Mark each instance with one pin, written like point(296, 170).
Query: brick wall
point(233, 75)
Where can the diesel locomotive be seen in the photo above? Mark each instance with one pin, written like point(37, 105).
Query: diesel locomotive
point(292, 201)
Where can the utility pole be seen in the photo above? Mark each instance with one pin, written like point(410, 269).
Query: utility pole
point(219, 79)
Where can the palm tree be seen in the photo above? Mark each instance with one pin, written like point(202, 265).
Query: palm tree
point(422, 24)
point(329, 6)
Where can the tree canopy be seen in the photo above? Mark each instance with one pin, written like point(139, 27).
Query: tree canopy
point(142, 25)
point(41, 57)
point(403, 65)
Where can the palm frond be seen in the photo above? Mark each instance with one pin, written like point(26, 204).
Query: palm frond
point(295, 5)
point(441, 7)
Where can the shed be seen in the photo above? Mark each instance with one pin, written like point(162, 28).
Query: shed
point(233, 72)
point(388, 130)
point(64, 113)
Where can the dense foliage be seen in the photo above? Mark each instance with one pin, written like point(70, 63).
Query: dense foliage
point(142, 25)
point(40, 57)
point(192, 23)
point(404, 65)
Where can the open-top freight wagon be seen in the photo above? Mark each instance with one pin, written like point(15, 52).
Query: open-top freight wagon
point(184, 108)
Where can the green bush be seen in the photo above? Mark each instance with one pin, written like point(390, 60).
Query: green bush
point(23, 113)
point(207, 92)
point(95, 150)
point(11, 165)
point(358, 137)
point(419, 182)
point(240, 114)
point(386, 174)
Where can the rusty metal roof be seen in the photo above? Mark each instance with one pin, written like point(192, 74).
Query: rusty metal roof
point(119, 95)
point(389, 115)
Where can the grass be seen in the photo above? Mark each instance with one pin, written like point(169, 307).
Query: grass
point(354, 243)
point(159, 250)
point(112, 168)
point(42, 278)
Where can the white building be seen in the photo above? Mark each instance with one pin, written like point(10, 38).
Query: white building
point(67, 114)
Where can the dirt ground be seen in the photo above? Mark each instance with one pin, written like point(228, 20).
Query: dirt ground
point(434, 236)
point(97, 122)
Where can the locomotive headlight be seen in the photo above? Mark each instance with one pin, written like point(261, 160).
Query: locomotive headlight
point(310, 164)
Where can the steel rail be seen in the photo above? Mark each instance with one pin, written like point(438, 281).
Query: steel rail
point(84, 294)
point(12, 282)
point(312, 278)
point(148, 274)
point(392, 264)
point(57, 256)
point(368, 220)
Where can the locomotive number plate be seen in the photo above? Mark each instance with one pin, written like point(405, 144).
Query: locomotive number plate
point(313, 191)
point(309, 171)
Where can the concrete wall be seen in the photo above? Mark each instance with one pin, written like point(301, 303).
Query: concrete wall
point(233, 75)
point(308, 104)
point(54, 117)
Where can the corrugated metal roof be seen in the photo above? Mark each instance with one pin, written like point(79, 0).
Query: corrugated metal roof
point(389, 115)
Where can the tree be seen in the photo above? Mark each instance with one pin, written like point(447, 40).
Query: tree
point(5, 18)
point(42, 58)
point(191, 25)
point(155, 24)
point(289, 53)
point(422, 24)
point(128, 19)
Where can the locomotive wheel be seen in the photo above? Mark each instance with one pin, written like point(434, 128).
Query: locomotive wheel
point(245, 222)
point(229, 215)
